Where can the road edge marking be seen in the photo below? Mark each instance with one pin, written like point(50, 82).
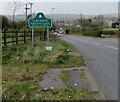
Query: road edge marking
point(111, 47)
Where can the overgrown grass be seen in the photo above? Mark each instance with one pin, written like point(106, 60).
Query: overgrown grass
point(20, 61)
point(83, 74)
point(28, 90)
point(65, 75)
point(24, 66)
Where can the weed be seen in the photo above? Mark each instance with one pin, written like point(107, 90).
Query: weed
point(24, 66)
point(65, 75)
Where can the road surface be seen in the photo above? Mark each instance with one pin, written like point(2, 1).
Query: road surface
point(102, 58)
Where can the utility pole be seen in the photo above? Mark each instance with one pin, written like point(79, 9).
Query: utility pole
point(26, 8)
point(70, 22)
point(32, 28)
point(52, 17)
point(31, 9)
point(69, 28)
point(81, 21)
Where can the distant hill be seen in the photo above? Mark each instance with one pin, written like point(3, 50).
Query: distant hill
point(63, 17)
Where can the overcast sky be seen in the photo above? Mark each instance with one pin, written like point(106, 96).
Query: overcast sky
point(89, 8)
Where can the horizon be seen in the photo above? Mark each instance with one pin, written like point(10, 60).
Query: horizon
point(63, 14)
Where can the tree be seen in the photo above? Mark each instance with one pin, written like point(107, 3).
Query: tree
point(20, 24)
point(95, 23)
point(13, 7)
point(67, 31)
point(115, 24)
point(54, 26)
point(5, 22)
point(98, 22)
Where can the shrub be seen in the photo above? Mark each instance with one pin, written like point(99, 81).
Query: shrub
point(67, 31)
point(110, 31)
point(93, 33)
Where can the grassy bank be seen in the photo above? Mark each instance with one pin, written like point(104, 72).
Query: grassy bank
point(24, 66)
point(28, 90)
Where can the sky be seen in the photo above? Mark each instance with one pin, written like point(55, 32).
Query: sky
point(88, 8)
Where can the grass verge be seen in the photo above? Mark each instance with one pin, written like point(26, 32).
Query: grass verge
point(24, 66)
point(28, 90)
point(65, 75)
point(83, 74)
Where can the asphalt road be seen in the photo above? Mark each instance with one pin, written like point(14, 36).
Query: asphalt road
point(102, 58)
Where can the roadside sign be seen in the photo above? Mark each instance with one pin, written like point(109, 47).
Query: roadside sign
point(40, 21)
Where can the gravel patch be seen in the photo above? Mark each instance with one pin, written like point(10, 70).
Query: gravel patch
point(74, 54)
point(52, 78)
point(76, 82)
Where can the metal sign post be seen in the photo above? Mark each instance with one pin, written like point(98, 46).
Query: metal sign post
point(32, 37)
point(32, 27)
point(48, 36)
point(40, 21)
point(48, 48)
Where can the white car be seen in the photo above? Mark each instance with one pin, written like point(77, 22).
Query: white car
point(55, 33)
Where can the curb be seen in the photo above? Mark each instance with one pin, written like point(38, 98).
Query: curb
point(100, 95)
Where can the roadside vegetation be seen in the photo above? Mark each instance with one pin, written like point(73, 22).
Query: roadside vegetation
point(96, 33)
point(113, 32)
point(83, 75)
point(98, 26)
point(24, 66)
point(28, 90)
point(65, 75)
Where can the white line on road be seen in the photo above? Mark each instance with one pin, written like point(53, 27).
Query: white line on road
point(85, 40)
point(111, 47)
point(95, 43)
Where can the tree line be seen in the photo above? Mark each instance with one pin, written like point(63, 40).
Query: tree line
point(7, 24)
point(77, 25)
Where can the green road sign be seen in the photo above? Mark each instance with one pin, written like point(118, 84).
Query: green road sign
point(40, 21)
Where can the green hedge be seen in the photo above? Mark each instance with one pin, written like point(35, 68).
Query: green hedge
point(110, 31)
point(93, 33)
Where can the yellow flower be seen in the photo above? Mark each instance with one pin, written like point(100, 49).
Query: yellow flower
point(69, 96)
point(81, 93)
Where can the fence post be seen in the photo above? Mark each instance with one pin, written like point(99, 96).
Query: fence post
point(36, 33)
point(5, 43)
point(45, 34)
point(24, 37)
point(31, 35)
point(12, 38)
point(16, 37)
point(40, 35)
